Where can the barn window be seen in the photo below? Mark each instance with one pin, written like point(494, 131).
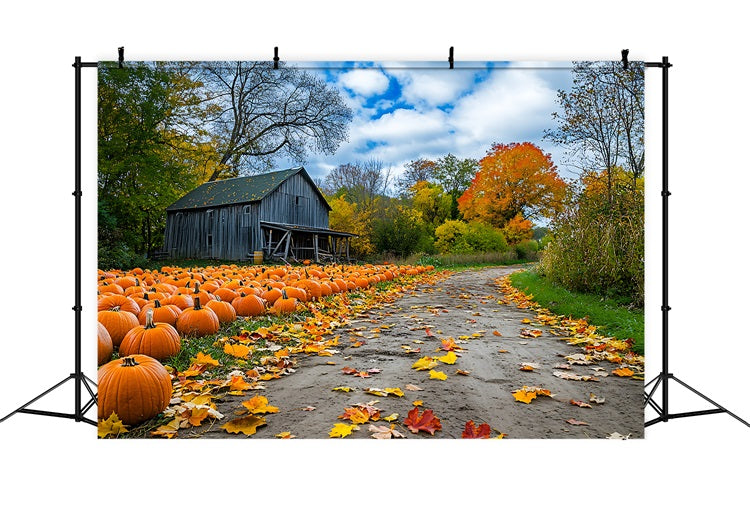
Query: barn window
point(245, 223)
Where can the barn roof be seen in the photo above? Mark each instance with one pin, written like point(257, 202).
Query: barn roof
point(245, 189)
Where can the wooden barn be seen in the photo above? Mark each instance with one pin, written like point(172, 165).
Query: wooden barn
point(281, 213)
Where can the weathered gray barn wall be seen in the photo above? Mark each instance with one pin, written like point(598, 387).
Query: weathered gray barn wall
point(295, 202)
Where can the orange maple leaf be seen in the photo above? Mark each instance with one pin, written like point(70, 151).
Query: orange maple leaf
point(623, 372)
point(427, 421)
point(471, 431)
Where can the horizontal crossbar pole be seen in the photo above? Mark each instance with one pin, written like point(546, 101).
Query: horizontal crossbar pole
point(695, 413)
point(48, 413)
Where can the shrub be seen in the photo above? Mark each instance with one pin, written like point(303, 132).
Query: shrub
point(483, 238)
point(449, 237)
point(527, 249)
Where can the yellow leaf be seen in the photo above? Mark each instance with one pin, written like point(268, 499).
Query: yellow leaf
point(112, 426)
point(391, 417)
point(449, 358)
point(437, 375)
point(524, 396)
point(239, 384)
point(463, 372)
point(343, 388)
point(424, 363)
point(197, 415)
point(285, 435)
point(169, 430)
point(358, 416)
point(240, 351)
point(246, 425)
point(394, 391)
point(342, 430)
point(623, 372)
point(259, 404)
point(202, 358)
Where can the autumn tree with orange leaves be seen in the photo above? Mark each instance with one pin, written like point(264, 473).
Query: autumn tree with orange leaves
point(514, 180)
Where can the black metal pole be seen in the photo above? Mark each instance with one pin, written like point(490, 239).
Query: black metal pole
point(665, 237)
point(77, 193)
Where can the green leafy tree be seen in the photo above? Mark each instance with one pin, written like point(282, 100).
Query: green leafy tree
point(455, 175)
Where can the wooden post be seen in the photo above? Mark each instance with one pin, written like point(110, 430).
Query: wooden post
point(347, 249)
point(315, 247)
point(333, 247)
point(286, 246)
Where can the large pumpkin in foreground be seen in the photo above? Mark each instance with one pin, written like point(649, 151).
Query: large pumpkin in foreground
point(136, 388)
point(156, 339)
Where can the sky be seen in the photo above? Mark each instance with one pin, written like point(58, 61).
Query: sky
point(409, 110)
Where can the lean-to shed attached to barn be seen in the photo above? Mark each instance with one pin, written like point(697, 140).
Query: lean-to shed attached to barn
point(281, 213)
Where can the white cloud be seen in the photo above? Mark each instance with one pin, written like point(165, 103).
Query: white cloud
point(364, 82)
point(433, 87)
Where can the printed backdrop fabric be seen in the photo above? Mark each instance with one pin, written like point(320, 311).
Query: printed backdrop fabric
point(371, 250)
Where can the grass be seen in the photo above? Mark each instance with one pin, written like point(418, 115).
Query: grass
point(614, 316)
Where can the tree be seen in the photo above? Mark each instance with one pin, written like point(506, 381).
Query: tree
point(601, 119)
point(360, 182)
point(513, 179)
point(455, 176)
point(260, 113)
point(349, 217)
point(414, 172)
point(401, 231)
point(431, 202)
point(148, 156)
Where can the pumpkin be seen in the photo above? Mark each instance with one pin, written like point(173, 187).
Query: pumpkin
point(104, 342)
point(271, 294)
point(197, 321)
point(158, 340)
point(249, 305)
point(224, 310)
point(117, 323)
point(205, 297)
point(226, 294)
point(284, 304)
point(297, 293)
point(136, 388)
point(181, 301)
point(167, 313)
point(120, 301)
point(311, 287)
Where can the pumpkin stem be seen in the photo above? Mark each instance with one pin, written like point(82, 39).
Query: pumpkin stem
point(283, 294)
point(115, 308)
point(149, 319)
point(197, 290)
point(137, 282)
point(129, 361)
point(157, 303)
point(145, 296)
point(197, 303)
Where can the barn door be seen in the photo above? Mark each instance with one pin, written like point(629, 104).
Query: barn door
point(209, 252)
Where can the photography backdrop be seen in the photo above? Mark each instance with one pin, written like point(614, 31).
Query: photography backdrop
point(315, 34)
point(215, 175)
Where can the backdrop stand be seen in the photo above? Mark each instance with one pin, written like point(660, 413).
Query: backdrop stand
point(79, 379)
point(665, 376)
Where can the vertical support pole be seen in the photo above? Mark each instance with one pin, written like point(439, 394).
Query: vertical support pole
point(315, 247)
point(347, 250)
point(665, 240)
point(286, 246)
point(77, 193)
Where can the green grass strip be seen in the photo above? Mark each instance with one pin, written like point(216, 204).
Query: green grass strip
point(613, 317)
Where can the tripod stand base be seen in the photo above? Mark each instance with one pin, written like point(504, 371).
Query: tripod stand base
point(78, 416)
point(664, 415)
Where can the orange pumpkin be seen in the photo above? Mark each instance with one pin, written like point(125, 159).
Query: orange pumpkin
point(121, 302)
point(166, 313)
point(285, 304)
point(224, 310)
point(104, 342)
point(117, 323)
point(197, 321)
point(249, 305)
point(158, 340)
point(136, 388)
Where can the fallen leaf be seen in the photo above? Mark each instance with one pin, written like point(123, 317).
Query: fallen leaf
point(202, 358)
point(427, 421)
point(526, 321)
point(428, 333)
point(246, 425)
point(449, 358)
point(112, 426)
point(424, 363)
point(259, 404)
point(343, 388)
point(308, 408)
point(412, 387)
point(437, 375)
point(342, 430)
point(496, 333)
point(417, 402)
point(285, 435)
point(524, 396)
point(463, 372)
point(471, 431)
point(197, 415)
point(575, 422)
point(356, 415)
point(527, 368)
point(579, 403)
point(574, 376)
point(240, 351)
point(617, 435)
point(502, 351)
point(530, 333)
point(596, 399)
point(383, 432)
point(390, 417)
point(623, 372)
point(169, 430)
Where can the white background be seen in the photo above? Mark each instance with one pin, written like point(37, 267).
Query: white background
point(690, 464)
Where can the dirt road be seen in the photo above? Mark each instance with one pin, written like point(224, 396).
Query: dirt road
point(463, 307)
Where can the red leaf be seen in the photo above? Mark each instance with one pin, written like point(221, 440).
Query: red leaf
point(473, 432)
point(427, 421)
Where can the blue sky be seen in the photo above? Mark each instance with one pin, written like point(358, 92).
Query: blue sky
point(408, 110)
